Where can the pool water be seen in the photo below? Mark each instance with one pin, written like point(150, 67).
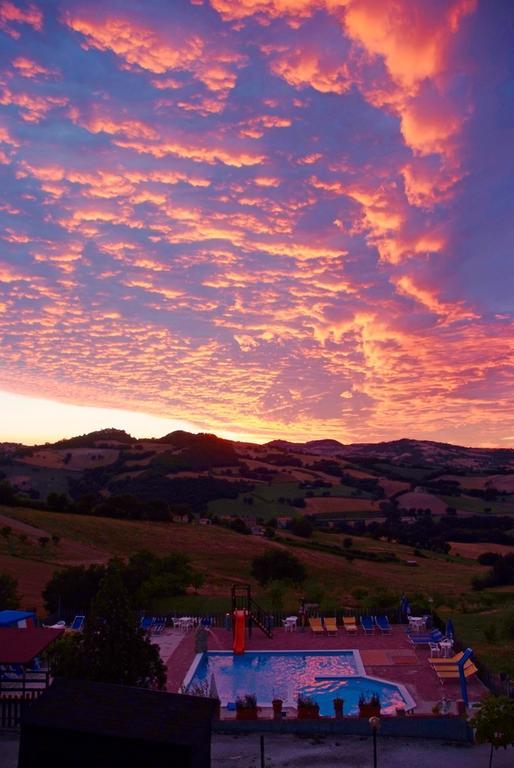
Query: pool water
point(324, 691)
point(323, 676)
point(270, 675)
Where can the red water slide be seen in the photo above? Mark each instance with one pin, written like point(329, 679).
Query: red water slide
point(238, 645)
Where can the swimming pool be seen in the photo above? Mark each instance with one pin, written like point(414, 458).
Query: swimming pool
point(326, 689)
point(323, 676)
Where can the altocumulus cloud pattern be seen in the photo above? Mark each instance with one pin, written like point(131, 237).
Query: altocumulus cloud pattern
point(274, 217)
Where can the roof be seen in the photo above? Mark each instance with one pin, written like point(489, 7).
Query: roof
point(122, 712)
point(20, 646)
point(11, 617)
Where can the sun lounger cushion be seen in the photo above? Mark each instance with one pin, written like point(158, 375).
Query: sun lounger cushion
point(316, 626)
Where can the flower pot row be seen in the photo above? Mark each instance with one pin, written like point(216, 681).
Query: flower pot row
point(307, 709)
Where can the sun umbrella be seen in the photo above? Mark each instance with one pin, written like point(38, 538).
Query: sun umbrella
point(449, 630)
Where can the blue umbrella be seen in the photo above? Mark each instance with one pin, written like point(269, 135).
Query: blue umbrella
point(449, 630)
point(404, 607)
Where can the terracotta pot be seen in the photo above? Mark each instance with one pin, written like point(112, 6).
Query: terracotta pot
point(369, 710)
point(308, 713)
point(277, 709)
point(247, 714)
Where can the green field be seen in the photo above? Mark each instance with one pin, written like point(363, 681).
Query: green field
point(42, 479)
point(266, 497)
point(415, 474)
point(225, 556)
point(477, 506)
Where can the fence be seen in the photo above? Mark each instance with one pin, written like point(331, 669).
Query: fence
point(498, 683)
point(12, 708)
point(421, 727)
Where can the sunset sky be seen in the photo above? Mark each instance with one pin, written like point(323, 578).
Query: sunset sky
point(259, 218)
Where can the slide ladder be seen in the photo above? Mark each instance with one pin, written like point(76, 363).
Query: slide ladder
point(242, 601)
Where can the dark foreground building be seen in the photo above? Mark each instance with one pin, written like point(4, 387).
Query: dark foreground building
point(80, 724)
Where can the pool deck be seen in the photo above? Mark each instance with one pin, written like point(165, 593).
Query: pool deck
point(390, 657)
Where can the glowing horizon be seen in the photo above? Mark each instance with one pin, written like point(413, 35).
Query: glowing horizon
point(264, 219)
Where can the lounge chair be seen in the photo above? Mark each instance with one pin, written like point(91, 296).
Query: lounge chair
point(331, 626)
point(146, 623)
point(446, 661)
point(434, 637)
point(158, 626)
point(350, 623)
point(453, 672)
point(316, 626)
point(77, 625)
point(382, 623)
point(367, 624)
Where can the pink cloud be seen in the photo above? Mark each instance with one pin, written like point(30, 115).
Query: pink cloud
point(28, 68)
point(11, 14)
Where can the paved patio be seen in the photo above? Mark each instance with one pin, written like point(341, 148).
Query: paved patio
point(388, 656)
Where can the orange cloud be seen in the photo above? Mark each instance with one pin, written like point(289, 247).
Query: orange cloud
point(28, 68)
point(97, 123)
point(197, 153)
point(33, 109)
point(428, 299)
point(135, 44)
point(11, 14)
point(300, 67)
point(141, 47)
point(412, 37)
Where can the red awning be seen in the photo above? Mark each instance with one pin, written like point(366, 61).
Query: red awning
point(20, 646)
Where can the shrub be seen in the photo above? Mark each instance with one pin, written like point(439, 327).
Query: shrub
point(491, 633)
point(300, 526)
point(277, 565)
point(246, 702)
point(488, 558)
point(8, 592)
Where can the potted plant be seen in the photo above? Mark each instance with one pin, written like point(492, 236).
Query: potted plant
point(307, 708)
point(369, 707)
point(277, 709)
point(246, 707)
point(338, 708)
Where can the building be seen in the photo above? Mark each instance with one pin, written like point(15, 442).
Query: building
point(85, 724)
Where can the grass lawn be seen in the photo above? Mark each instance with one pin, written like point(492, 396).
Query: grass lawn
point(470, 629)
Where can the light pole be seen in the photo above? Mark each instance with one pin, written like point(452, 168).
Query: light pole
point(375, 725)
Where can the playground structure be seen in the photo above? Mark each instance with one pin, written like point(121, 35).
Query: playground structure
point(246, 610)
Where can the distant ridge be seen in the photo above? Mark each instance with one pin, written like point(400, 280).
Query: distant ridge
point(405, 451)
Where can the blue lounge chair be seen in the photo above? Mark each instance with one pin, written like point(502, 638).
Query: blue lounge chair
point(77, 624)
point(367, 624)
point(146, 623)
point(382, 623)
point(433, 637)
point(158, 626)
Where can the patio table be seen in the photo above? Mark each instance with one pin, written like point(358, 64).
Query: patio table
point(417, 623)
point(446, 647)
point(290, 623)
point(186, 623)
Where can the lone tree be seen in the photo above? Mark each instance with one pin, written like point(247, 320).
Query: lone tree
point(494, 723)
point(111, 649)
point(8, 595)
point(278, 565)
